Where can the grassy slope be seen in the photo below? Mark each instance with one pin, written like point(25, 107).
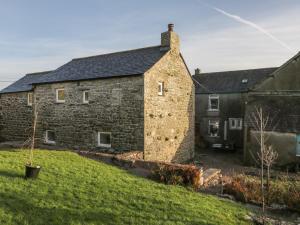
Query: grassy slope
point(75, 190)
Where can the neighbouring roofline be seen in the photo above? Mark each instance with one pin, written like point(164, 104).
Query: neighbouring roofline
point(276, 71)
point(230, 81)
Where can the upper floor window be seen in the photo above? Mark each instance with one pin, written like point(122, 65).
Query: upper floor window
point(29, 99)
point(86, 97)
point(213, 102)
point(160, 88)
point(60, 95)
point(104, 139)
point(235, 123)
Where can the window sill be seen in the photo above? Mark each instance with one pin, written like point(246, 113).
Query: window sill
point(104, 146)
point(214, 136)
point(49, 142)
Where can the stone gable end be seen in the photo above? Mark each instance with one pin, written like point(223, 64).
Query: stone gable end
point(169, 118)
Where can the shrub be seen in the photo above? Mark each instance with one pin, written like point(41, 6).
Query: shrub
point(186, 175)
point(283, 191)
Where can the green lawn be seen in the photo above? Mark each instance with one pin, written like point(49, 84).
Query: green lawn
point(75, 190)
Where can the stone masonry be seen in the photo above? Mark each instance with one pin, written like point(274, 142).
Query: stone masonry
point(115, 105)
point(169, 119)
point(15, 117)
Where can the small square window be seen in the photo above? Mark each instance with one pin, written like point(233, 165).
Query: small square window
point(104, 139)
point(60, 95)
point(213, 128)
point(235, 123)
point(160, 88)
point(50, 137)
point(213, 103)
point(86, 97)
point(29, 99)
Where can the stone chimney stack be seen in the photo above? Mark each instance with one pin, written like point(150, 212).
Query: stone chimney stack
point(170, 40)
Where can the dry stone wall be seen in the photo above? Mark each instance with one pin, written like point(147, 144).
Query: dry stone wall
point(115, 105)
point(15, 117)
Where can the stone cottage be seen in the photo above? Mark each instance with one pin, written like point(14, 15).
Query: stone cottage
point(220, 106)
point(279, 97)
point(136, 100)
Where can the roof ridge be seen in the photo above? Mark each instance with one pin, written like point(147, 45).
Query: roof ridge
point(229, 71)
point(39, 73)
point(111, 53)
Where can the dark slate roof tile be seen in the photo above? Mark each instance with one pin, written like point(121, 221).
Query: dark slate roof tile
point(126, 63)
point(230, 81)
point(25, 83)
point(132, 62)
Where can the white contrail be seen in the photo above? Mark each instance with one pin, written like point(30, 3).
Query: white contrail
point(253, 25)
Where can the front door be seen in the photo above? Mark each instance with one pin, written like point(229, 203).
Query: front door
point(298, 145)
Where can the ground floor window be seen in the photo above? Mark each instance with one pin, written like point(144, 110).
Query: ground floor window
point(104, 139)
point(213, 128)
point(50, 137)
point(235, 123)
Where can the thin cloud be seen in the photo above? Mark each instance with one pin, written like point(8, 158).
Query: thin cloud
point(255, 26)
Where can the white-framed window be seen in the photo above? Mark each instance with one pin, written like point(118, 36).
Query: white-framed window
point(85, 97)
point(235, 123)
point(213, 128)
point(29, 99)
point(104, 139)
point(160, 88)
point(49, 137)
point(60, 95)
point(213, 102)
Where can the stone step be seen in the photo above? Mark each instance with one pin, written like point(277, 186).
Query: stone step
point(210, 174)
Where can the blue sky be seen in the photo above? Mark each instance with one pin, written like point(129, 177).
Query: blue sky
point(39, 35)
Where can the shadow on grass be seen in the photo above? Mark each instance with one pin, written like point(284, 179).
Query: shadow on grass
point(12, 174)
point(24, 210)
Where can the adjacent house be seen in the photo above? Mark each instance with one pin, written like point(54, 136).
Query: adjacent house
point(220, 106)
point(279, 97)
point(136, 100)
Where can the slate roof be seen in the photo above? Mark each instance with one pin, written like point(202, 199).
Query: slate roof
point(126, 63)
point(25, 83)
point(230, 81)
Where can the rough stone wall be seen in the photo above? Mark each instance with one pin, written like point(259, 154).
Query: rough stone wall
point(15, 117)
point(115, 105)
point(169, 119)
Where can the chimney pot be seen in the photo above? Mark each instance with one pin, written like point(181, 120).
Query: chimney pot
point(197, 71)
point(170, 27)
